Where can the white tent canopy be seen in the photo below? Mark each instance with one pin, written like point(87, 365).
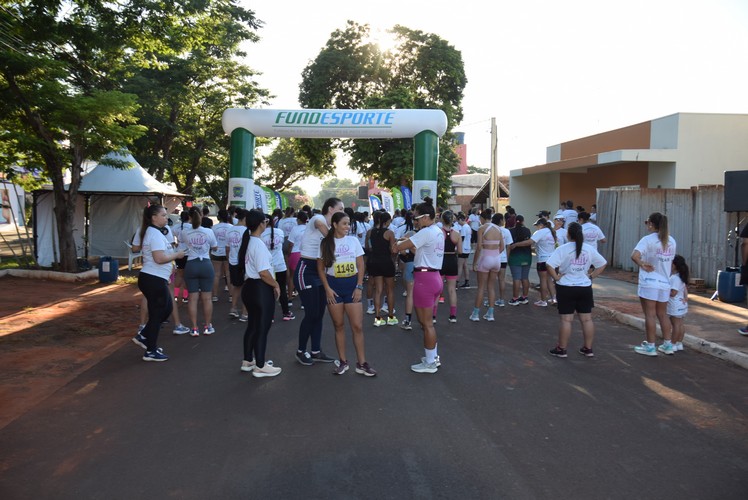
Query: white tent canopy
point(113, 200)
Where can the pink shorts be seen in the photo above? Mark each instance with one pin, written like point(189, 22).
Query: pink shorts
point(427, 287)
point(490, 260)
point(293, 260)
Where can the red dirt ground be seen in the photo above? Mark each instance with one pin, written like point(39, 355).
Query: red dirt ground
point(50, 331)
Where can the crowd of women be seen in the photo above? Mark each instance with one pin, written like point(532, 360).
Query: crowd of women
point(337, 260)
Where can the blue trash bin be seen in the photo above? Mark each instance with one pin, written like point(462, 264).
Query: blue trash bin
point(108, 270)
point(729, 288)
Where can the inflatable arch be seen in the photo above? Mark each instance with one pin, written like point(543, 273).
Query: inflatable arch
point(425, 126)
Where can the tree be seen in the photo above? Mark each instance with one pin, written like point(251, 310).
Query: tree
point(57, 101)
point(192, 78)
point(285, 166)
point(423, 72)
point(342, 188)
point(472, 169)
point(70, 72)
point(298, 197)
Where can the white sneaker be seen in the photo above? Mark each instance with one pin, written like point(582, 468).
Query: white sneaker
point(247, 366)
point(370, 310)
point(437, 361)
point(678, 346)
point(666, 348)
point(266, 371)
point(475, 316)
point(424, 367)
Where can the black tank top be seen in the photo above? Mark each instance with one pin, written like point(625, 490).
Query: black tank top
point(380, 247)
point(449, 246)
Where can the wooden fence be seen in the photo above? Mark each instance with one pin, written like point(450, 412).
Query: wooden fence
point(706, 235)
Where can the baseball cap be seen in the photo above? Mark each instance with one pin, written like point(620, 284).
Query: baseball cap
point(544, 214)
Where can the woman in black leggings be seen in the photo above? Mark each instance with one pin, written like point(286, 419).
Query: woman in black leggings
point(259, 293)
point(153, 279)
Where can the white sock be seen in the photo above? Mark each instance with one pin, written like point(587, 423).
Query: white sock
point(430, 355)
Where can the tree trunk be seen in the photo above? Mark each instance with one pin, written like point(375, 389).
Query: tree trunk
point(64, 200)
point(65, 205)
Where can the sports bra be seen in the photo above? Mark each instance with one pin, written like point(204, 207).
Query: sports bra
point(492, 242)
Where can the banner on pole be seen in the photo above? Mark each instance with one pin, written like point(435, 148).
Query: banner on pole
point(407, 197)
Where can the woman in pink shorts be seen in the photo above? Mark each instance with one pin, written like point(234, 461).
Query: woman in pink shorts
point(428, 243)
point(487, 263)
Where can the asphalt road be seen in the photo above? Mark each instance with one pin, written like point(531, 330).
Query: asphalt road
point(501, 419)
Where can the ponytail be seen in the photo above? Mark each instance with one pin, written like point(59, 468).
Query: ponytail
point(659, 221)
point(576, 234)
point(148, 213)
point(548, 224)
point(272, 233)
point(196, 217)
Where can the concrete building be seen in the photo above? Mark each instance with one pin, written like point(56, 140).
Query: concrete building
point(464, 188)
point(676, 151)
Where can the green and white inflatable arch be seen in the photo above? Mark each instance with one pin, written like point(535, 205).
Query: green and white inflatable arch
point(425, 126)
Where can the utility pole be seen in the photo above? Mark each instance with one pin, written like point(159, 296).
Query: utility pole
point(494, 191)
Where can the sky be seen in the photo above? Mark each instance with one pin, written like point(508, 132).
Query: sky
point(548, 71)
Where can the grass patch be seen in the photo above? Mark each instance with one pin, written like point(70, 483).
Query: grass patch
point(127, 280)
point(18, 263)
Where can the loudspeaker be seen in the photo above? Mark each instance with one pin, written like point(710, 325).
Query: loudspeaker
point(736, 191)
point(363, 192)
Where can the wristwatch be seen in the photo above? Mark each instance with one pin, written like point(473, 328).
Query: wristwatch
point(360, 287)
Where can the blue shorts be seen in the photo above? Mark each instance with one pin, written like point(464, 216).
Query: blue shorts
point(408, 272)
point(344, 287)
point(198, 274)
point(520, 272)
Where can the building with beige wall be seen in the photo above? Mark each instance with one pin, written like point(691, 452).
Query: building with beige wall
point(676, 151)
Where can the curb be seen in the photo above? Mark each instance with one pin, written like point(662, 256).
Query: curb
point(52, 275)
point(691, 341)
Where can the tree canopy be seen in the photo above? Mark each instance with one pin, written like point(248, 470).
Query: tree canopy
point(344, 189)
point(422, 72)
point(81, 79)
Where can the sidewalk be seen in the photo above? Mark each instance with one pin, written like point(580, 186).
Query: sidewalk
point(711, 325)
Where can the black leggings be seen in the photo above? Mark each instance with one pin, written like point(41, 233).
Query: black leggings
point(160, 305)
point(280, 277)
point(260, 303)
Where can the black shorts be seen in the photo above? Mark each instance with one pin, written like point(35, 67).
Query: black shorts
point(540, 267)
point(236, 276)
point(503, 265)
point(379, 267)
point(463, 256)
point(474, 236)
point(218, 258)
point(574, 299)
point(449, 265)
